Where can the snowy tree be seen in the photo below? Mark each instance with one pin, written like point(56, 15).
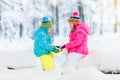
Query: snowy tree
point(116, 17)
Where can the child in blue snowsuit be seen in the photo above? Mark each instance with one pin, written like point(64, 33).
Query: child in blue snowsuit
point(43, 47)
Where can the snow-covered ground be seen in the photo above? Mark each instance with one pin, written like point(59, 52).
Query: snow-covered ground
point(19, 54)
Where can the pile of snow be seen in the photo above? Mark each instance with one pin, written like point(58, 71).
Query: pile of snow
point(87, 73)
point(108, 50)
point(18, 54)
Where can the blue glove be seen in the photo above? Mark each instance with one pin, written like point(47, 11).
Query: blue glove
point(57, 46)
point(56, 50)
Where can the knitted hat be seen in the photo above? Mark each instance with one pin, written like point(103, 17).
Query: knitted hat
point(46, 22)
point(74, 18)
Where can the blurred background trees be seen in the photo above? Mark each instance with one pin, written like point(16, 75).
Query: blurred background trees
point(19, 18)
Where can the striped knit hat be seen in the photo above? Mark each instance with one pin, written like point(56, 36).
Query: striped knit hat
point(74, 18)
point(46, 22)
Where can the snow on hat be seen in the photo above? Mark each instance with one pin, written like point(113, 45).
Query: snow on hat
point(46, 22)
point(74, 18)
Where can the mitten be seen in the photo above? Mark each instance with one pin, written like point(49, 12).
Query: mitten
point(63, 47)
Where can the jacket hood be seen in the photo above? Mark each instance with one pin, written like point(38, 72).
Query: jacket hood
point(40, 30)
point(82, 27)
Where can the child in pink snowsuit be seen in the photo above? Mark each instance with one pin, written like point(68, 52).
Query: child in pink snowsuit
point(77, 46)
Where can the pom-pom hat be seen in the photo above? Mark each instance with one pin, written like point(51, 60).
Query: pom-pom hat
point(74, 18)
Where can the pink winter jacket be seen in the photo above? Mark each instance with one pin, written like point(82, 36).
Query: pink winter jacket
point(78, 39)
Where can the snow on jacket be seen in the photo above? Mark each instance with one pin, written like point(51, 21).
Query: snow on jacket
point(78, 39)
point(42, 42)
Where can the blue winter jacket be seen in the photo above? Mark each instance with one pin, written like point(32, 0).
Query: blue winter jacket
point(42, 42)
